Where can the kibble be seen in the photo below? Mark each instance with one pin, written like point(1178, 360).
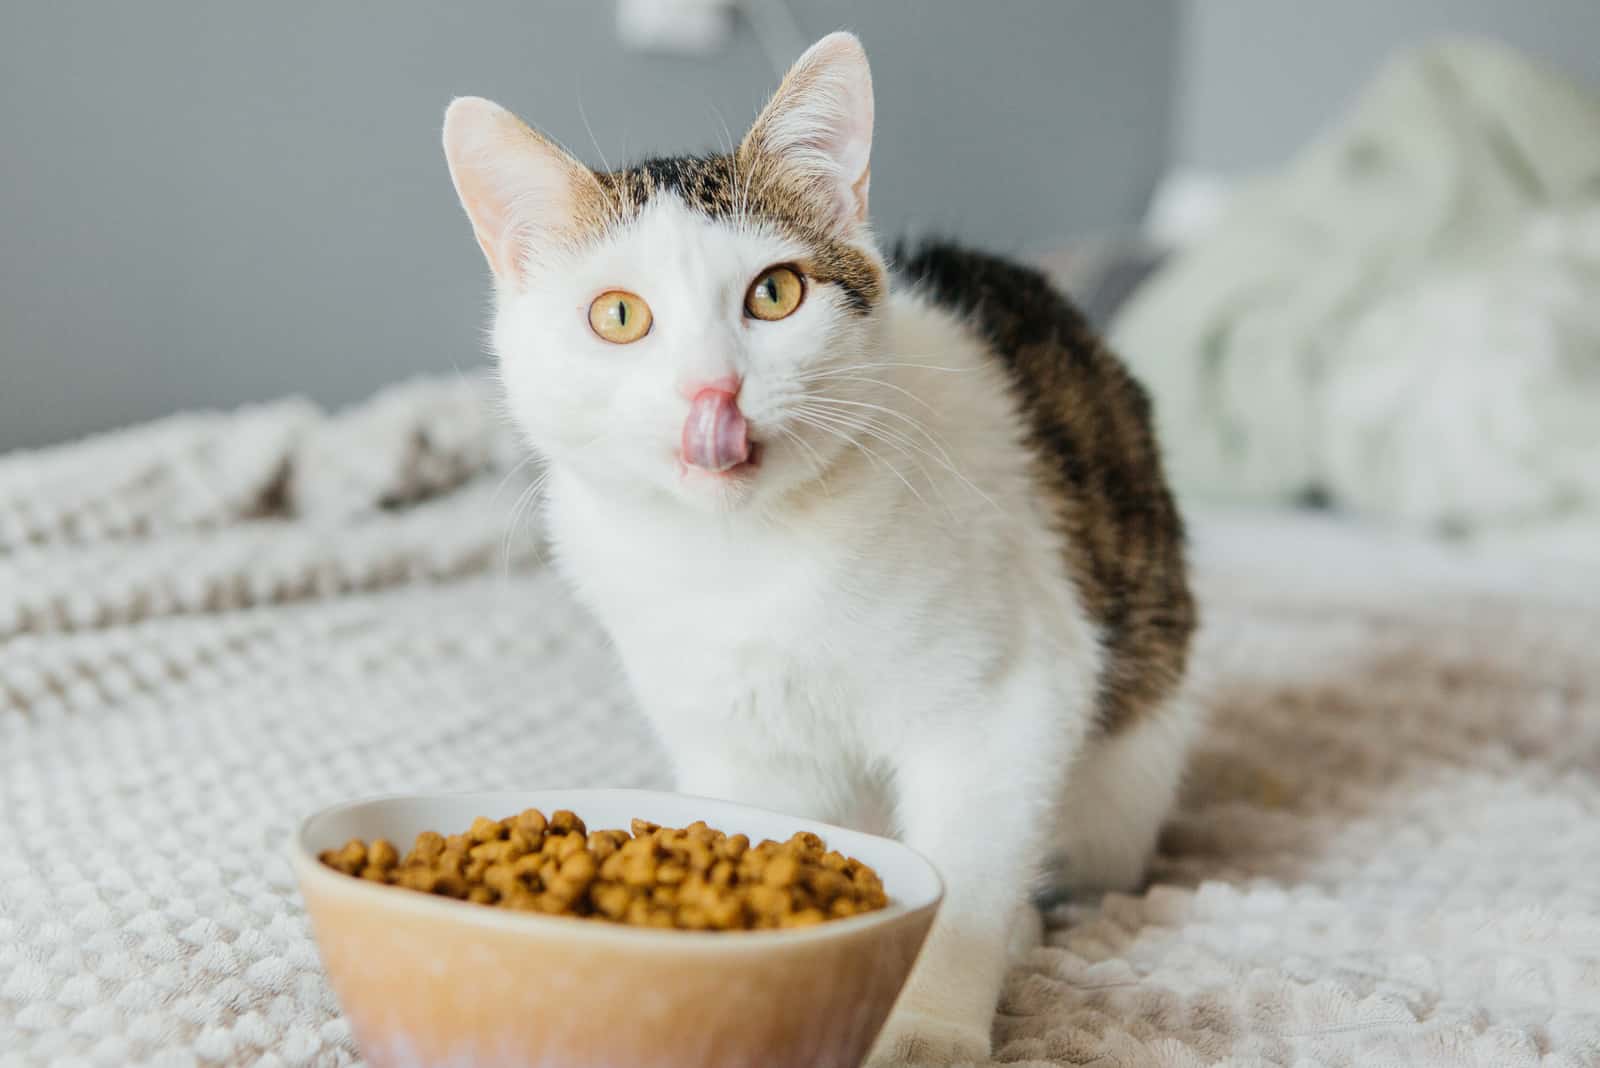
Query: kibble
point(693, 878)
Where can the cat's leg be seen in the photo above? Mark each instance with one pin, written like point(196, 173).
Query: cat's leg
point(1118, 793)
point(978, 803)
point(729, 771)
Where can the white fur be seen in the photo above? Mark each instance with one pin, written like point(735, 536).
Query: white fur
point(875, 628)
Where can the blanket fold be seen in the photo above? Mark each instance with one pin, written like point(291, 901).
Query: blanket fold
point(1404, 318)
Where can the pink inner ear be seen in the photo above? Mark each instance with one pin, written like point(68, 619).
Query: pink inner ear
point(860, 191)
point(514, 184)
point(821, 120)
point(490, 225)
point(849, 149)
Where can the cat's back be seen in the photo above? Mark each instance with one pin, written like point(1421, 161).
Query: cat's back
point(1089, 426)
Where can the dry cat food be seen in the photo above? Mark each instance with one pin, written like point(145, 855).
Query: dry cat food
point(694, 878)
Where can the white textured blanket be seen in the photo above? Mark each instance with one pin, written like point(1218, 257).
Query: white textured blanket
point(1402, 318)
point(1389, 851)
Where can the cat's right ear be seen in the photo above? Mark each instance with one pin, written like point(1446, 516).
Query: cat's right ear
point(819, 125)
point(520, 190)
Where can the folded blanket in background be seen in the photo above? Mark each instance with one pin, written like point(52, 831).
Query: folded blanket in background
point(1404, 319)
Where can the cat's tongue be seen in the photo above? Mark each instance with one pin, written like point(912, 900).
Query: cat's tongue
point(715, 436)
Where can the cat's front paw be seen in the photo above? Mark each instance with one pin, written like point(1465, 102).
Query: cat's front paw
point(912, 1040)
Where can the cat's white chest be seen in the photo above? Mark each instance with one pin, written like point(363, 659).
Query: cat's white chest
point(759, 626)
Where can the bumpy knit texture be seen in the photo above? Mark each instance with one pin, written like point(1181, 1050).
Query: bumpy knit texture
point(1388, 852)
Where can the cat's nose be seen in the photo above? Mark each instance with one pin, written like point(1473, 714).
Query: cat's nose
point(715, 434)
point(690, 385)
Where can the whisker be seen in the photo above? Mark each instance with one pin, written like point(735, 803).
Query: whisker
point(888, 385)
point(833, 424)
point(816, 457)
point(524, 462)
point(906, 443)
point(525, 501)
point(943, 458)
point(528, 499)
point(887, 434)
point(872, 365)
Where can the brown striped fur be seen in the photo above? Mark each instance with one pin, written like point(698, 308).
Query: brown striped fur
point(1089, 423)
point(752, 188)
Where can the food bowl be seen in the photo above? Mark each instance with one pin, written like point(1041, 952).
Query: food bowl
point(430, 981)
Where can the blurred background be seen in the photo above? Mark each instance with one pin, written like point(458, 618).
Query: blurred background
point(206, 205)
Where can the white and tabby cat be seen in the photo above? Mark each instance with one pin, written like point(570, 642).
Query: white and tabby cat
point(884, 548)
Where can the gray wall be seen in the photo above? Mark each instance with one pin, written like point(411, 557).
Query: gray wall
point(1257, 77)
point(203, 204)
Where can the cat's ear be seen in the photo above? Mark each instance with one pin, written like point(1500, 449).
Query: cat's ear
point(520, 190)
point(819, 125)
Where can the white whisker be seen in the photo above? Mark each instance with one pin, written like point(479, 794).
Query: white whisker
point(848, 368)
point(943, 458)
point(839, 426)
point(822, 465)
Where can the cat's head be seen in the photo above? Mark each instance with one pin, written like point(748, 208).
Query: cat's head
point(672, 327)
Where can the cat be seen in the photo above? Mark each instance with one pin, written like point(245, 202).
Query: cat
point(883, 547)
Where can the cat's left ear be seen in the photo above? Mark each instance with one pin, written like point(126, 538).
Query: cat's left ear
point(819, 126)
point(521, 191)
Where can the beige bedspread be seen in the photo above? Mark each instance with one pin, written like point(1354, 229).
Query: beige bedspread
point(1388, 853)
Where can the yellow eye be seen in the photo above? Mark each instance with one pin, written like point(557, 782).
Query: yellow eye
point(775, 294)
point(619, 316)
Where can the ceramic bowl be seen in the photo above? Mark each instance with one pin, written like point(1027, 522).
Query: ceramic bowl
point(430, 982)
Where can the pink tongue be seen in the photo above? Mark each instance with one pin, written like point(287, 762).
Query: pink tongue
point(715, 436)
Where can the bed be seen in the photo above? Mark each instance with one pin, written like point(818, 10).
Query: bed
point(1386, 851)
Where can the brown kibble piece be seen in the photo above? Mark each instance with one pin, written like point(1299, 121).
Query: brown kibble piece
point(350, 859)
point(612, 901)
point(603, 843)
point(449, 884)
point(694, 878)
point(428, 846)
point(489, 851)
point(580, 868)
point(782, 872)
point(521, 899)
point(501, 878)
point(567, 822)
point(768, 900)
point(382, 854)
point(803, 918)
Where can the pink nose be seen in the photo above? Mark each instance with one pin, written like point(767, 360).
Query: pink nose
point(715, 435)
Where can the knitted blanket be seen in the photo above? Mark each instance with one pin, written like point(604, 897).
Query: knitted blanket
point(1387, 852)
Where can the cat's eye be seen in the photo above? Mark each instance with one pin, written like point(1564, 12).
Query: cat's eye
point(775, 294)
point(619, 316)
